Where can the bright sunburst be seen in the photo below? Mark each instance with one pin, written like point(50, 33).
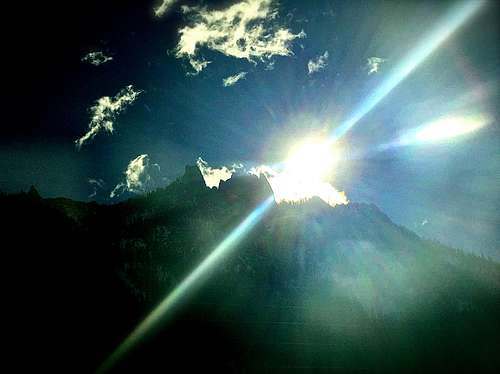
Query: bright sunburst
point(312, 160)
point(305, 174)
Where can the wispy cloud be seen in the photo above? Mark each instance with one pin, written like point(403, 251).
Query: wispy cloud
point(288, 188)
point(233, 79)
point(96, 58)
point(373, 64)
point(198, 65)
point(105, 111)
point(317, 64)
point(241, 31)
point(138, 176)
point(97, 184)
point(213, 176)
point(165, 6)
point(118, 190)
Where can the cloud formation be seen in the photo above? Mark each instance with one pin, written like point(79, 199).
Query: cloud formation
point(213, 176)
point(373, 64)
point(138, 177)
point(233, 79)
point(317, 64)
point(241, 31)
point(96, 58)
point(105, 111)
point(289, 188)
point(165, 6)
point(97, 184)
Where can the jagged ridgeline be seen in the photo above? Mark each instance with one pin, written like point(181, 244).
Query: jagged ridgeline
point(310, 288)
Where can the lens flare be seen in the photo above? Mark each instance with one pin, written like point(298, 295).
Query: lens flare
point(444, 129)
point(452, 22)
point(456, 18)
point(165, 307)
point(448, 128)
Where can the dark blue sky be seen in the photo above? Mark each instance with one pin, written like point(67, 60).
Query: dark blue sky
point(453, 186)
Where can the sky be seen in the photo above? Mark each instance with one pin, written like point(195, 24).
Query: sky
point(104, 100)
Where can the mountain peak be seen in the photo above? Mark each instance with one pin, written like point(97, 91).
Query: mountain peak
point(246, 186)
point(192, 175)
point(33, 193)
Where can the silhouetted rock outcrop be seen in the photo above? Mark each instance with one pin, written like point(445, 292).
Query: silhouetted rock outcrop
point(33, 193)
point(192, 176)
point(246, 187)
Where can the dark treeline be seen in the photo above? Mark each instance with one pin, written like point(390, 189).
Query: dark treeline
point(311, 288)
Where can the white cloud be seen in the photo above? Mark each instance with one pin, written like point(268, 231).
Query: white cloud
point(373, 64)
point(269, 66)
point(197, 65)
point(233, 79)
point(118, 190)
point(240, 31)
point(138, 176)
point(213, 176)
point(165, 6)
point(97, 184)
point(96, 58)
point(424, 222)
point(104, 112)
point(317, 64)
point(287, 187)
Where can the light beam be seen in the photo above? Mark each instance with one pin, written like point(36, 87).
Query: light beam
point(161, 311)
point(444, 129)
point(457, 16)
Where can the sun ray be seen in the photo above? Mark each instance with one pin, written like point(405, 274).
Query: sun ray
point(448, 25)
point(173, 298)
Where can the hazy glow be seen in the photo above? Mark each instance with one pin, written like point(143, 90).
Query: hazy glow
point(440, 130)
point(449, 127)
point(456, 18)
point(305, 174)
point(165, 307)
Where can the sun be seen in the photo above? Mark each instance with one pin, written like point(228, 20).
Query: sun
point(311, 161)
point(306, 173)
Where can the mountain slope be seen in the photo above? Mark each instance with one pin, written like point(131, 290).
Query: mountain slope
point(310, 288)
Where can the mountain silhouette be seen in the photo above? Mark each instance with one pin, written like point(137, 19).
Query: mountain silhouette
point(310, 288)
